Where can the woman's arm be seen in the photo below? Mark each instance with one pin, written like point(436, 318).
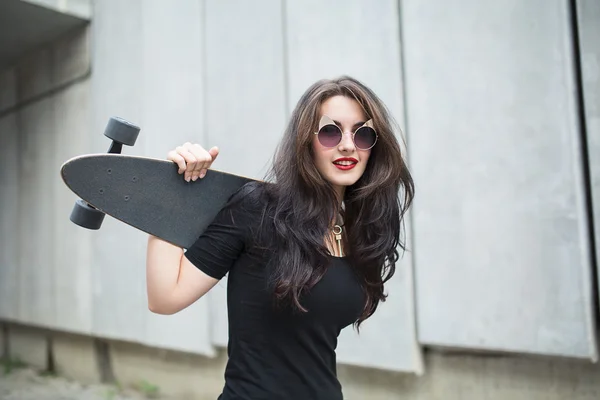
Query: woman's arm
point(172, 282)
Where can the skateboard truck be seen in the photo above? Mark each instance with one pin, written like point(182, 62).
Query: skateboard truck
point(122, 133)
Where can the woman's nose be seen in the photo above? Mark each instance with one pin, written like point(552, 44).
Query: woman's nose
point(347, 142)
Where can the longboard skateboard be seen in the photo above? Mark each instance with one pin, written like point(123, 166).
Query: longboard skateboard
point(146, 193)
point(149, 194)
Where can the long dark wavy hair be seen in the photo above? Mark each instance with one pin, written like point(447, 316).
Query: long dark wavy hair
point(304, 204)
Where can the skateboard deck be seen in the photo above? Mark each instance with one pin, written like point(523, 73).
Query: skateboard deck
point(148, 194)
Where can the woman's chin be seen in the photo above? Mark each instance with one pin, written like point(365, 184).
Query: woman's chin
point(344, 181)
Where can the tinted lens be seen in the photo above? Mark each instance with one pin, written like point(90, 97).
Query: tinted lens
point(365, 138)
point(329, 135)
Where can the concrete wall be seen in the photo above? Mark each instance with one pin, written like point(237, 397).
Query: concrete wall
point(450, 376)
point(588, 15)
point(501, 117)
point(44, 119)
point(27, 26)
point(79, 8)
point(496, 147)
point(52, 100)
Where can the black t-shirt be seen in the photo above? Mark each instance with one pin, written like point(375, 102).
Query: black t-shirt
point(274, 353)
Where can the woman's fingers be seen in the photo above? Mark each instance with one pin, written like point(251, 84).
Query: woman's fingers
point(200, 155)
point(189, 149)
point(212, 155)
point(214, 152)
point(193, 160)
point(177, 159)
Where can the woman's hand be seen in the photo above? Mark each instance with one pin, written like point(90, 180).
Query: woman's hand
point(193, 160)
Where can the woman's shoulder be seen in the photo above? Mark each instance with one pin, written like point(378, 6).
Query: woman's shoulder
point(249, 207)
point(251, 191)
point(251, 197)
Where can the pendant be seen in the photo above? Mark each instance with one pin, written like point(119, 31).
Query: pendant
point(337, 231)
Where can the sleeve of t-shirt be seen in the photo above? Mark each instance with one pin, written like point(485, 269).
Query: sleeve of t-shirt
point(218, 247)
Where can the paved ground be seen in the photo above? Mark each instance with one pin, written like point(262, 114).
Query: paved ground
point(27, 384)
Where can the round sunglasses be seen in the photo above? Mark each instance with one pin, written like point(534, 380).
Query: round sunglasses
point(330, 135)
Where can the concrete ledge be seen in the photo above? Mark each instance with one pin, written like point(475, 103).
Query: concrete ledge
point(46, 70)
point(77, 8)
point(34, 75)
point(460, 376)
point(180, 375)
point(75, 357)
point(53, 66)
point(31, 25)
point(71, 57)
point(8, 89)
point(450, 376)
point(29, 345)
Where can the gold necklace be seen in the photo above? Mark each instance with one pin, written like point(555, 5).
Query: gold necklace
point(337, 231)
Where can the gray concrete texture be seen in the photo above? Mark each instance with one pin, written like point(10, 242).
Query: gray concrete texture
point(27, 25)
point(29, 384)
point(450, 376)
point(588, 14)
point(79, 8)
point(496, 148)
point(45, 118)
point(501, 263)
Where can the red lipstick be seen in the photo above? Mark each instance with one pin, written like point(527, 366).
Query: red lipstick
point(347, 165)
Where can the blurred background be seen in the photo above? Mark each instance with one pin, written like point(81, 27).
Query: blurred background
point(498, 103)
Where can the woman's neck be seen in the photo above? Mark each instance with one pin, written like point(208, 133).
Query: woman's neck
point(340, 191)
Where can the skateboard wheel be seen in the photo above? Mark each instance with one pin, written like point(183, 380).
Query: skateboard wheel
point(121, 131)
point(86, 216)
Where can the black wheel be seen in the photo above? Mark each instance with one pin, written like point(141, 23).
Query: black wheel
point(86, 216)
point(121, 131)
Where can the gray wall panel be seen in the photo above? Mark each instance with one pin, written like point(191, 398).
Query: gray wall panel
point(36, 206)
point(501, 249)
point(118, 254)
point(172, 115)
point(9, 217)
point(73, 245)
point(37, 121)
point(245, 106)
point(361, 39)
point(588, 12)
point(8, 89)
point(501, 246)
point(9, 198)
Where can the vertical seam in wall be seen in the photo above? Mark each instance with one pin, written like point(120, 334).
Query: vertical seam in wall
point(104, 363)
point(204, 72)
point(210, 317)
point(285, 56)
point(575, 44)
point(50, 363)
point(409, 214)
point(20, 143)
point(5, 345)
point(52, 199)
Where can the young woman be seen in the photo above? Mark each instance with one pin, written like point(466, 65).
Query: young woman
point(307, 252)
